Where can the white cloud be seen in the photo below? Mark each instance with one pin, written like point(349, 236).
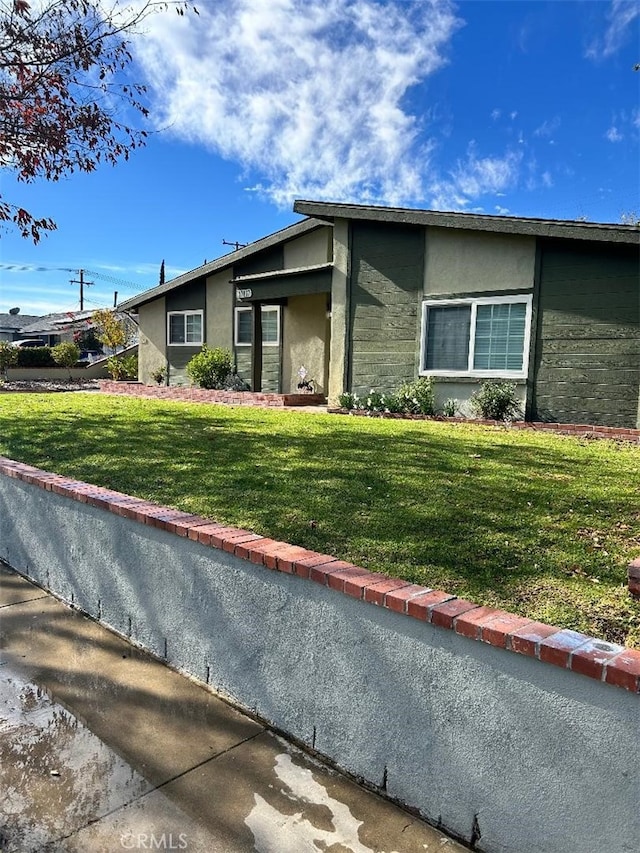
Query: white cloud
point(502, 211)
point(474, 177)
point(547, 180)
point(614, 135)
point(548, 127)
point(621, 15)
point(308, 97)
point(495, 114)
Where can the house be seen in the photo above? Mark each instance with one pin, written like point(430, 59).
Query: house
point(13, 324)
point(55, 328)
point(369, 297)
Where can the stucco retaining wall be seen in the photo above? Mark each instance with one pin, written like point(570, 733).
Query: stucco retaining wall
point(447, 707)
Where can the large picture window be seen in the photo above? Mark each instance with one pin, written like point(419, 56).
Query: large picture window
point(270, 326)
point(476, 337)
point(184, 328)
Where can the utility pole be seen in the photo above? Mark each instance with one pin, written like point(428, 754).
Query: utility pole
point(234, 243)
point(82, 284)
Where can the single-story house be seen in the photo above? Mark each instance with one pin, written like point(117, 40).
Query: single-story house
point(13, 323)
point(55, 328)
point(369, 297)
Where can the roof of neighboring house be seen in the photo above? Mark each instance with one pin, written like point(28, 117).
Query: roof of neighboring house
point(268, 242)
point(53, 324)
point(568, 229)
point(16, 322)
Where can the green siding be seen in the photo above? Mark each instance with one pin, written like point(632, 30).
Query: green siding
point(190, 297)
point(178, 358)
point(387, 275)
point(588, 341)
point(270, 367)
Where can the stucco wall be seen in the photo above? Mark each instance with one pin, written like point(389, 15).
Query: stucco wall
point(339, 311)
point(523, 756)
point(304, 341)
point(152, 319)
point(219, 310)
point(461, 391)
point(308, 250)
point(465, 262)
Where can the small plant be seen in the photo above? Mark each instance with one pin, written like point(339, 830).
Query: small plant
point(374, 402)
point(35, 357)
point(348, 400)
point(65, 354)
point(210, 368)
point(233, 382)
point(122, 368)
point(8, 357)
point(159, 375)
point(394, 404)
point(496, 401)
point(418, 396)
point(449, 408)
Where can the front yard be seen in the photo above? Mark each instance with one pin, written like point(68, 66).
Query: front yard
point(538, 524)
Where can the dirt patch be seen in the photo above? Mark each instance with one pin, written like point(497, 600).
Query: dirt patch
point(40, 386)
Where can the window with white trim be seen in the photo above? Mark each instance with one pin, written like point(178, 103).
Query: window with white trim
point(270, 326)
point(487, 336)
point(184, 328)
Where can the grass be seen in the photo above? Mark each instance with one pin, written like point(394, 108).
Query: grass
point(538, 524)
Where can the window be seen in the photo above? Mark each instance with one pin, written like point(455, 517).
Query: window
point(270, 326)
point(184, 328)
point(488, 336)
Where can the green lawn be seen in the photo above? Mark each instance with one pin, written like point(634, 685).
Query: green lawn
point(539, 524)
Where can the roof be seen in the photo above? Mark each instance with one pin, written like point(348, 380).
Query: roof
point(569, 229)
point(55, 323)
point(268, 242)
point(16, 321)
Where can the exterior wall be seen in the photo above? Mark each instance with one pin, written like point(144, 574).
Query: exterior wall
point(468, 262)
point(191, 296)
point(219, 310)
point(387, 274)
point(310, 249)
point(92, 371)
point(338, 350)
point(152, 347)
point(304, 341)
point(509, 753)
point(461, 391)
point(588, 344)
point(270, 367)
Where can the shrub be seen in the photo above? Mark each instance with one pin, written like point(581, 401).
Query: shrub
point(418, 396)
point(111, 330)
point(348, 400)
point(8, 356)
point(35, 357)
point(394, 403)
point(123, 367)
point(449, 408)
point(496, 401)
point(374, 402)
point(233, 382)
point(65, 354)
point(210, 368)
point(159, 374)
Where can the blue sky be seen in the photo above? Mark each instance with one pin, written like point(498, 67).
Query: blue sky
point(510, 107)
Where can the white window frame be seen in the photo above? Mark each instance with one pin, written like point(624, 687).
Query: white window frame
point(243, 308)
point(184, 314)
point(474, 302)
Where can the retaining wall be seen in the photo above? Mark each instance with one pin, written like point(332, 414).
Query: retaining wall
point(516, 736)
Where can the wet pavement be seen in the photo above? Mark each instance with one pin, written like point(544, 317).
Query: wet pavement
point(103, 748)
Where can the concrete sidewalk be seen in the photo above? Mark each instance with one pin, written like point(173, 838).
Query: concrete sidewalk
point(103, 748)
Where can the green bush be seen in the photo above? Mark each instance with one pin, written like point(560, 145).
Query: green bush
point(65, 354)
point(374, 402)
point(347, 400)
point(449, 408)
point(35, 357)
point(123, 367)
point(417, 397)
point(8, 356)
point(496, 401)
point(210, 368)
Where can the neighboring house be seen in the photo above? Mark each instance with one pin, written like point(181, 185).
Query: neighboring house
point(55, 328)
point(12, 325)
point(369, 297)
